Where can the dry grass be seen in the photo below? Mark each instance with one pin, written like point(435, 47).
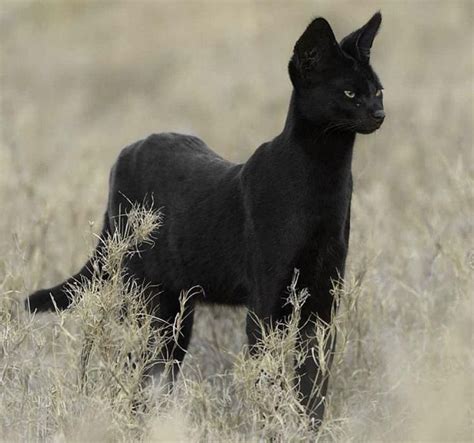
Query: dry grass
point(80, 80)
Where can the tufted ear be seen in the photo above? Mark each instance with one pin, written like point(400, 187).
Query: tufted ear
point(313, 51)
point(359, 43)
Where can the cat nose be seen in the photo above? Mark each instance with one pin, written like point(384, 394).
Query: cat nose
point(378, 115)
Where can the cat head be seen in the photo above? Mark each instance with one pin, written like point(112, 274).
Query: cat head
point(334, 84)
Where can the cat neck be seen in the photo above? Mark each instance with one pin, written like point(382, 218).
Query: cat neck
point(327, 151)
point(306, 158)
point(317, 139)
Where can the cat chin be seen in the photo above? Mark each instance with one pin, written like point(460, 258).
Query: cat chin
point(366, 131)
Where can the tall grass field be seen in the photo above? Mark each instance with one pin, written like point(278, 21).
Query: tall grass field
point(81, 80)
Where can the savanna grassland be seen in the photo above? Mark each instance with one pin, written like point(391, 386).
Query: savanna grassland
point(80, 80)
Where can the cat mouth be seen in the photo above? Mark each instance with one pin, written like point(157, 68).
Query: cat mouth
point(369, 128)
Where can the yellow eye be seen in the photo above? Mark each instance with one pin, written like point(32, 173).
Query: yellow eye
point(379, 93)
point(350, 94)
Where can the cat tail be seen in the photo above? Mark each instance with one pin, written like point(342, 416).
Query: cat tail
point(61, 296)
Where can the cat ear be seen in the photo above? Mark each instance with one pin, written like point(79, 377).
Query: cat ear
point(359, 43)
point(313, 50)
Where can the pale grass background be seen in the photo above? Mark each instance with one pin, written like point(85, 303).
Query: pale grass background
point(80, 80)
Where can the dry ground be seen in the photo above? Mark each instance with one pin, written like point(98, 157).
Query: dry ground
point(80, 80)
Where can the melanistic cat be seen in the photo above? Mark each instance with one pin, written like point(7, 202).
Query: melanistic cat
point(240, 230)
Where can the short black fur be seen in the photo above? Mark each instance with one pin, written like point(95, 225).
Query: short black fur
point(239, 230)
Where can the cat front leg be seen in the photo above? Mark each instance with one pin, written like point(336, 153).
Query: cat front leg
point(321, 272)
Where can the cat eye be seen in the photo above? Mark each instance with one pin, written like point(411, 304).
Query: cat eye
point(378, 93)
point(350, 94)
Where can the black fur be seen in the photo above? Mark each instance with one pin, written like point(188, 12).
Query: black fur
point(239, 230)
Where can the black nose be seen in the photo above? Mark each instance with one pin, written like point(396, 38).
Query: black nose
point(378, 115)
